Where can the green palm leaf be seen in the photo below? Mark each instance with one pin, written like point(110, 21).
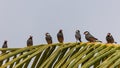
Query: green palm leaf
point(67, 55)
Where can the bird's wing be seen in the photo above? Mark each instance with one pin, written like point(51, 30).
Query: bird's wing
point(92, 37)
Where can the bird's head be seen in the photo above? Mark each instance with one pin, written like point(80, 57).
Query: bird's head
point(60, 31)
point(47, 34)
point(109, 34)
point(31, 37)
point(5, 41)
point(77, 31)
point(86, 32)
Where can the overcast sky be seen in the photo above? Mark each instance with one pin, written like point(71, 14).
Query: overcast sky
point(21, 18)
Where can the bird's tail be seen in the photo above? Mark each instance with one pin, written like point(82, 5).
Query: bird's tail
point(80, 40)
point(115, 42)
point(98, 41)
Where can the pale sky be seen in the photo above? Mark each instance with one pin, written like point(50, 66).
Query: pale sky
point(21, 18)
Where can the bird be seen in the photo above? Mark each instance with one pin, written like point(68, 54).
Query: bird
point(109, 38)
point(48, 38)
point(90, 38)
point(4, 45)
point(78, 35)
point(30, 41)
point(60, 36)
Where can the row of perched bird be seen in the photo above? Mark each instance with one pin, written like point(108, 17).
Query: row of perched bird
point(88, 37)
point(60, 38)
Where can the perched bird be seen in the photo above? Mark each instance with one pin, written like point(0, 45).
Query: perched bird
point(78, 36)
point(90, 38)
point(48, 38)
point(4, 46)
point(30, 41)
point(109, 38)
point(60, 36)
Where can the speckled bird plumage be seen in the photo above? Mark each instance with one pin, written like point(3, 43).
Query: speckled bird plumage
point(30, 41)
point(109, 38)
point(90, 38)
point(78, 36)
point(60, 36)
point(48, 38)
